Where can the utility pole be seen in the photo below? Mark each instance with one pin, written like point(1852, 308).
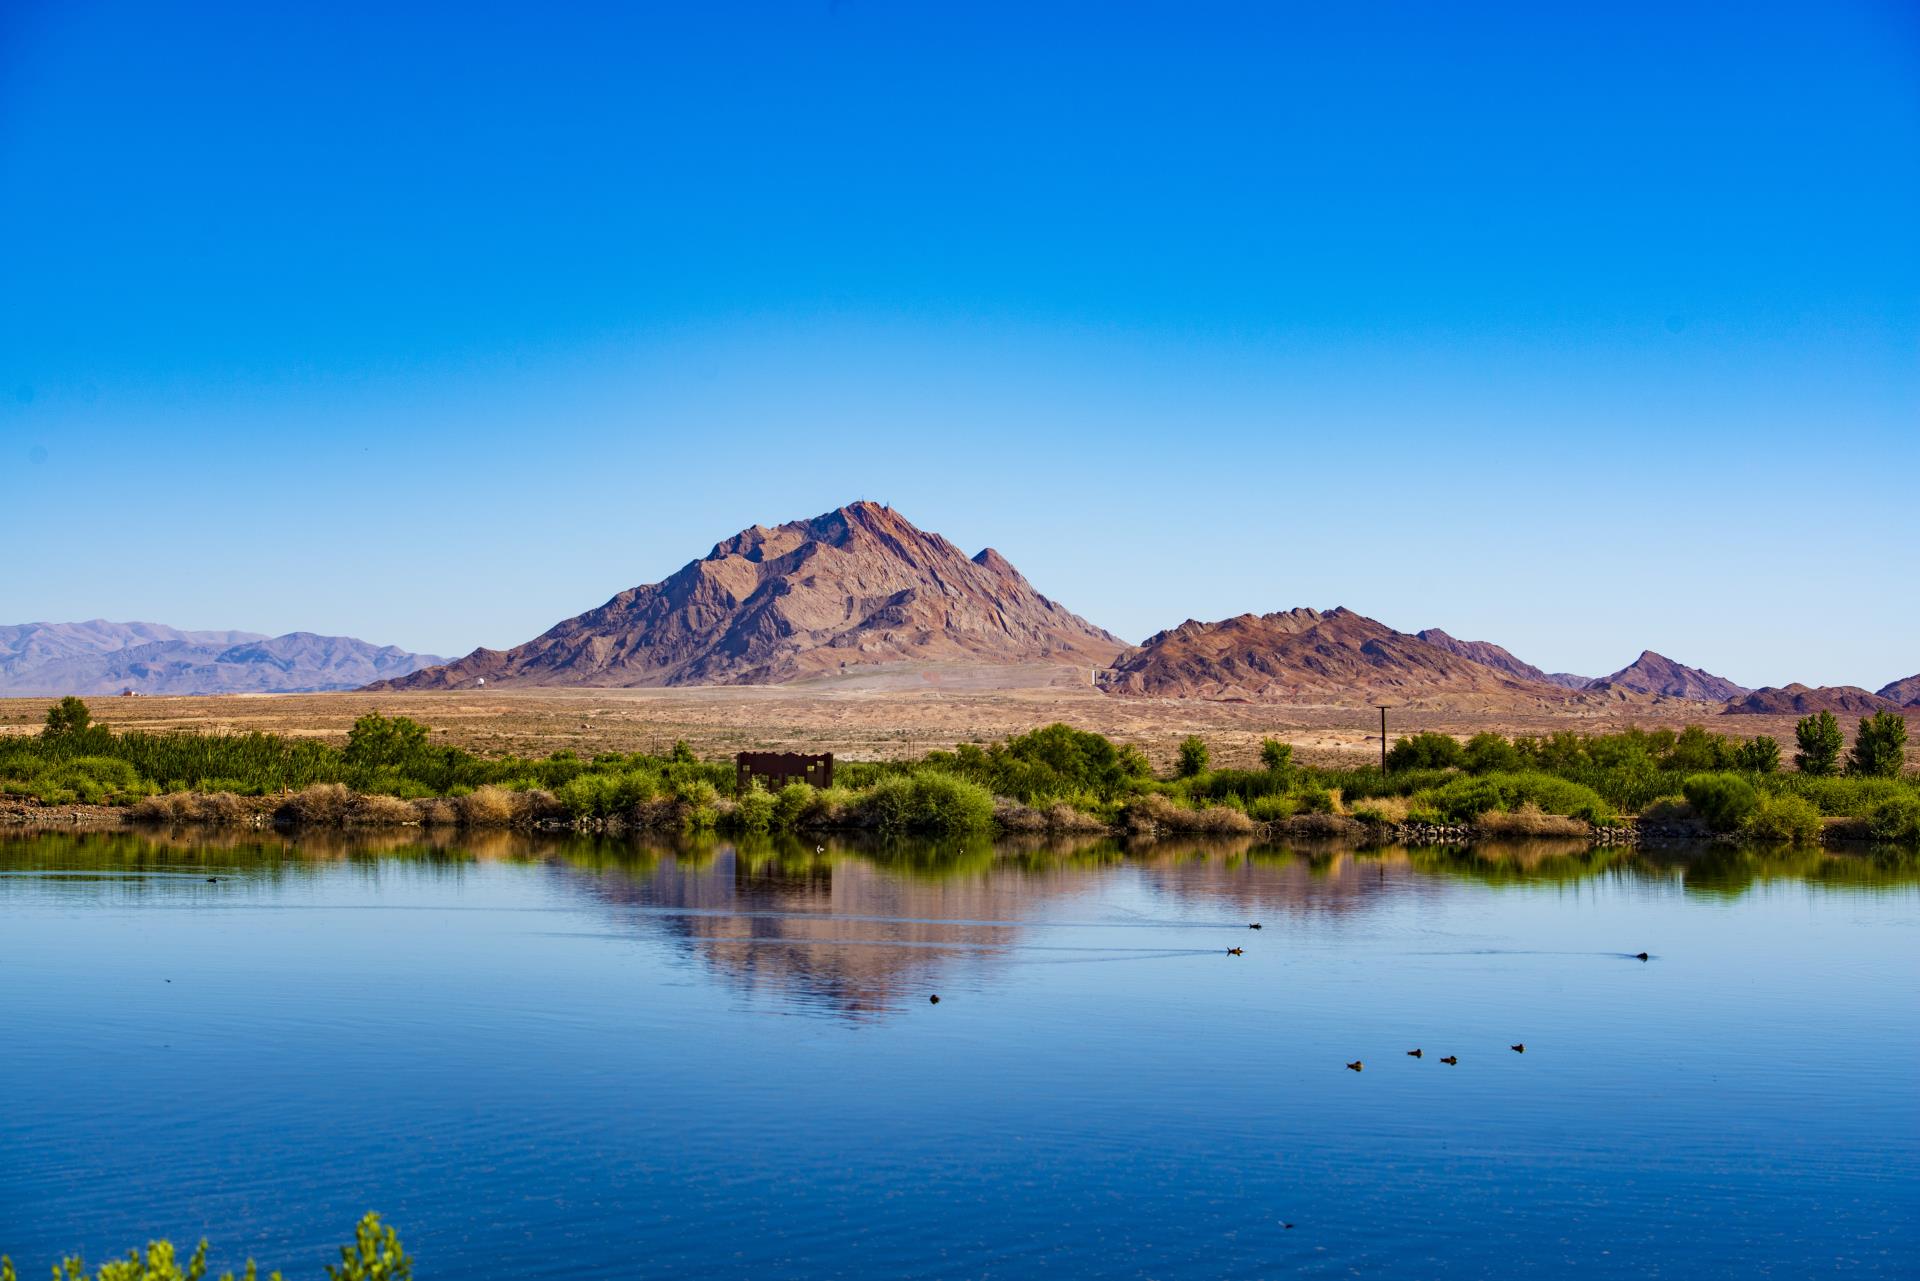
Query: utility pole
point(1383, 736)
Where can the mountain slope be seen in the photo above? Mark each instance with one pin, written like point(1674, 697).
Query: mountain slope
point(1656, 674)
point(857, 586)
point(98, 657)
point(1491, 655)
point(1904, 692)
point(1304, 653)
point(1799, 700)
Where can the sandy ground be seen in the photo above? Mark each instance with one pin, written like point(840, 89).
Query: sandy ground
point(871, 716)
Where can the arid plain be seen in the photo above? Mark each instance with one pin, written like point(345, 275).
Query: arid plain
point(878, 715)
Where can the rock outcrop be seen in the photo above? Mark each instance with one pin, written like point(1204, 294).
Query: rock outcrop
point(1659, 675)
point(1491, 655)
point(1302, 654)
point(1801, 700)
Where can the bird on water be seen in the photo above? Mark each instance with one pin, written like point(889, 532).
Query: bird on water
point(1413, 1054)
point(1519, 1049)
point(1639, 956)
point(934, 999)
point(1355, 1066)
point(1254, 926)
point(1451, 1059)
point(1236, 951)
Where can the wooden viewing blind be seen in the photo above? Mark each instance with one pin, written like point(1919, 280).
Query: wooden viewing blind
point(774, 770)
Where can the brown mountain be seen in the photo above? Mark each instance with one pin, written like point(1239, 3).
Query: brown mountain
point(1904, 692)
point(1656, 674)
point(1799, 700)
point(858, 586)
point(1302, 654)
point(1491, 655)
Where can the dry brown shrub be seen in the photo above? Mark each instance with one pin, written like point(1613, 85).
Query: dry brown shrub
point(318, 805)
point(375, 810)
point(1529, 821)
point(490, 806)
point(1155, 812)
point(435, 811)
point(226, 809)
point(168, 807)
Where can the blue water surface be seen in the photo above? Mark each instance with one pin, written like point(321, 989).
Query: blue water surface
point(590, 1060)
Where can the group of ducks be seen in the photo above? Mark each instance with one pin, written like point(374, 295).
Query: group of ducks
point(1450, 1060)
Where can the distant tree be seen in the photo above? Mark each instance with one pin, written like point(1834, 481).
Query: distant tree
point(1276, 755)
point(682, 754)
point(1425, 750)
point(1758, 755)
point(1880, 748)
point(1193, 757)
point(376, 740)
point(1820, 743)
point(68, 716)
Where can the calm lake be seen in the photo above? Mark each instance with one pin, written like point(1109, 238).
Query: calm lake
point(585, 1059)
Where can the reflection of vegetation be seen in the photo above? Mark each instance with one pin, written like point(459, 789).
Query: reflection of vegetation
point(1719, 869)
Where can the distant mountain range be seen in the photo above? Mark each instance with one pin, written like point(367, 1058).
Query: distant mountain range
point(99, 657)
point(861, 588)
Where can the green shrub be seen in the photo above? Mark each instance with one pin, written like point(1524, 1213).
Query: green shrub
point(1723, 801)
point(1820, 742)
point(1896, 821)
point(375, 1255)
point(928, 802)
point(1784, 820)
point(1488, 753)
point(1695, 750)
point(1847, 797)
point(1312, 800)
point(753, 811)
point(1425, 750)
point(792, 804)
point(1880, 748)
point(1193, 757)
point(1276, 757)
point(1758, 755)
point(1468, 796)
point(1270, 809)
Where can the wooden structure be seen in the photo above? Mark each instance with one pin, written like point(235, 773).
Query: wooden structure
point(774, 770)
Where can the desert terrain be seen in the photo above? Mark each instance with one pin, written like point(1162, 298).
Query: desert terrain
point(878, 714)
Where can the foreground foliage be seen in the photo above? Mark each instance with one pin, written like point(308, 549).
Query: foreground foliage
point(374, 1255)
point(392, 771)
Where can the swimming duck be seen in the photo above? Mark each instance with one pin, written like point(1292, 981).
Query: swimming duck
point(1639, 956)
point(934, 999)
point(1519, 1049)
point(1413, 1054)
point(1254, 926)
point(1451, 1059)
point(1355, 1066)
point(1236, 951)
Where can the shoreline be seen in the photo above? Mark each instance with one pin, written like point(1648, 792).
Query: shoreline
point(373, 812)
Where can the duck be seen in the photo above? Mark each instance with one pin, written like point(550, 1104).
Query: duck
point(1286, 1227)
point(1413, 1054)
point(1356, 1066)
point(1451, 1059)
point(1519, 1049)
point(1236, 951)
point(1254, 926)
point(1639, 956)
point(934, 999)
point(213, 880)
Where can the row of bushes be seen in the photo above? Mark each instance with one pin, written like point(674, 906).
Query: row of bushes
point(375, 1254)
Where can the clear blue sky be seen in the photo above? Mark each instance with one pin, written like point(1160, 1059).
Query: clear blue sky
point(1583, 329)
